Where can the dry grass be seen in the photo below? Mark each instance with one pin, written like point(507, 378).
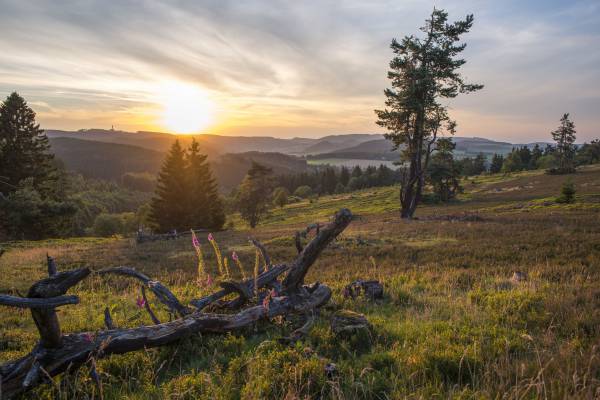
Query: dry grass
point(452, 324)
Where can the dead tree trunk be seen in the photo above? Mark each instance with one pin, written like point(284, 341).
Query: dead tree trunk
point(55, 353)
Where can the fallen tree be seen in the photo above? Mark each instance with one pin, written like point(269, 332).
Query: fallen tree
point(56, 353)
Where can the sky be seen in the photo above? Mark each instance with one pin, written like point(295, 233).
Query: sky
point(291, 68)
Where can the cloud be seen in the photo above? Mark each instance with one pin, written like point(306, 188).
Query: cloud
point(311, 66)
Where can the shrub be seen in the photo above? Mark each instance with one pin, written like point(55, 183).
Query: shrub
point(107, 224)
point(567, 195)
point(303, 191)
point(280, 196)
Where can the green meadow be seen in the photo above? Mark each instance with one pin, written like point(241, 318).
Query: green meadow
point(452, 323)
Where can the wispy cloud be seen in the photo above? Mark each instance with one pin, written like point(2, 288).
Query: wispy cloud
point(294, 68)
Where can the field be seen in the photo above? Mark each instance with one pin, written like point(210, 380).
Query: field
point(452, 323)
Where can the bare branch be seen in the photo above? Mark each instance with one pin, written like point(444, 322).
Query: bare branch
point(52, 269)
point(163, 294)
point(147, 307)
point(26, 302)
point(108, 321)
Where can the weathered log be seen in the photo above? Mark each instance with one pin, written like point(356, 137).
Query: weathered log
point(56, 353)
point(309, 254)
point(45, 318)
point(26, 302)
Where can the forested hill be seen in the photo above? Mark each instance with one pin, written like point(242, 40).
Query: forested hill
point(110, 161)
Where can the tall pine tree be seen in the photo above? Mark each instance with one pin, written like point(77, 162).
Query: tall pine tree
point(31, 187)
point(422, 73)
point(24, 149)
point(253, 195)
point(170, 205)
point(205, 205)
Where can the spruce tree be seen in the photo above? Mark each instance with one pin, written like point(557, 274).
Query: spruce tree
point(170, 205)
point(24, 150)
point(206, 209)
point(496, 165)
point(564, 137)
point(423, 72)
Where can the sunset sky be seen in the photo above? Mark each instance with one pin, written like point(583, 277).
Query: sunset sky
point(291, 68)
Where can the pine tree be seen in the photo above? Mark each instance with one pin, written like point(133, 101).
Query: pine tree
point(31, 186)
point(24, 150)
point(170, 205)
point(443, 173)
point(423, 72)
point(564, 137)
point(344, 176)
point(205, 206)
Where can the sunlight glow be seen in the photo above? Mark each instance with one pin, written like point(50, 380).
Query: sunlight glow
point(185, 108)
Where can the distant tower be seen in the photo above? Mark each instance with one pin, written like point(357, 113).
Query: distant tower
point(112, 128)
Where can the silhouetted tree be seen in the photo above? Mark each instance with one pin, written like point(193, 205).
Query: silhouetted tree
point(423, 72)
point(170, 205)
point(589, 153)
point(253, 194)
point(344, 176)
point(205, 206)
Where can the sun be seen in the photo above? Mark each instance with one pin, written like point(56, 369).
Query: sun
point(186, 108)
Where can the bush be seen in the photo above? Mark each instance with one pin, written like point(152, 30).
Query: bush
point(303, 191)
point(567, 193)
point(108, 224)
point(280, 196)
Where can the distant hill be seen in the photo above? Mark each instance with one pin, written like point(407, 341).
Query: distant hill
point(109, 161)
point(105, 160)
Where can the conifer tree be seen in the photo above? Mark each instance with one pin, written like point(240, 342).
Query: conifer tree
point(24, 150)
point(206, 209)
point(564, 137)
point(170, 205)
point(423, 72)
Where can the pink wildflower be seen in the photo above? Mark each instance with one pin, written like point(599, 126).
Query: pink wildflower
point(88, 337)
point(209, 281)
point(265, 302)
point(210, 237)
point(140, 302)
point(234, 256)
point(195, 241)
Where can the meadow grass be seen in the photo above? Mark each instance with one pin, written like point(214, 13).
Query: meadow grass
point(452, 323)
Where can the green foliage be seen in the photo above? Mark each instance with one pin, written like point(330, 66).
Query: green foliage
point(31, 184)
point(107, 225)
point(472, 166)
point(280, 196)
point(567, 193)
point(564, 137)
point(303, 191)
point(186, 193)
point(442, 172)
point(423, 72)
point(496, 165)
point(253, 196)
point(139, 181)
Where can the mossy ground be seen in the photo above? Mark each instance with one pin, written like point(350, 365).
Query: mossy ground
point(452, 323)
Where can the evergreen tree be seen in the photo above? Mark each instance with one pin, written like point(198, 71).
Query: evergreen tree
point(24, 150)
point(442, 172)
point(496, 165)
point(253, 194)
point(32, 204)
point(513, 162)
point(356, 172)
point(170, 205)
point(423, 72)
point(206, 208)
point(344, 176)
point(564, 137)
point(536, 154)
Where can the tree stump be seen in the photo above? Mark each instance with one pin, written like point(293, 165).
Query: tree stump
point(372, 290)
point(347, 323)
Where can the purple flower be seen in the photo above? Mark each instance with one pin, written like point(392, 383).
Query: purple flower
point(140, 302)
point(234, 256)
point(210, 237)
point(195, 241)
point(88, 337)
point(209, 281)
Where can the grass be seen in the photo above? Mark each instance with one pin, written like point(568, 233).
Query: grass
point(452, 324)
